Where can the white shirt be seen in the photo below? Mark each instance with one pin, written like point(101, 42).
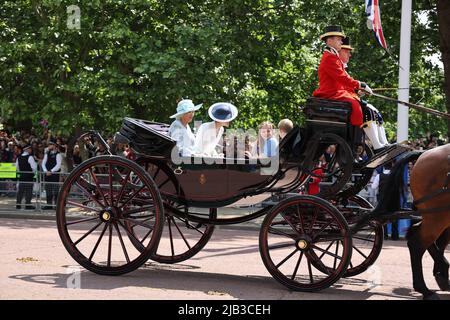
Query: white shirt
point(207, 140)
point(30, 161)
point(56, 167)
point(183, 136)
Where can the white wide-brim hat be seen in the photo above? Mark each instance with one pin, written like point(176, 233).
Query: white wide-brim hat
point(223, 112)
point(185, 106)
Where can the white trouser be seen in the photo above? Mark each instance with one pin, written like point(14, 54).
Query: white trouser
point(375, 131)
point(371, 130)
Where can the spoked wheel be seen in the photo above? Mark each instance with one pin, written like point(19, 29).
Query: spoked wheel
point(298, 234)
point(367, 241)
point(331, 159)
point(181, 238)
point(92, 221)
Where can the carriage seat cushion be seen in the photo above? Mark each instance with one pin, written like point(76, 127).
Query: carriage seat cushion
point(327, 110)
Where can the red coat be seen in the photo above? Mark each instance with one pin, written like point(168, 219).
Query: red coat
point(336, 84)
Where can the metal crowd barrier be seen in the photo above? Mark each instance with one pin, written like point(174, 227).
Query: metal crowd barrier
point(10, 187)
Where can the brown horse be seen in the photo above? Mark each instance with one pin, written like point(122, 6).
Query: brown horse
point(430, 187)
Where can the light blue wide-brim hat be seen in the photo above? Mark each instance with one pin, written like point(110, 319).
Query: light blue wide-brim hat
point(185, 106)
point(223, 112)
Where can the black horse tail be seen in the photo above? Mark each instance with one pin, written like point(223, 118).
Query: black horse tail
point(393, 188)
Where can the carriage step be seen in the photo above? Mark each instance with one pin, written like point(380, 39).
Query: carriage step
point(386, 156)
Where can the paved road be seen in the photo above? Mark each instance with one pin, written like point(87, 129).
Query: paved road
point(35, 265)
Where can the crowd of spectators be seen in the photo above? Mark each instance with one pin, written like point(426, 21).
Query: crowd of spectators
point(11, 145)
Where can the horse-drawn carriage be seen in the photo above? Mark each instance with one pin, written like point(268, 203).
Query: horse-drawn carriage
point(114, 214)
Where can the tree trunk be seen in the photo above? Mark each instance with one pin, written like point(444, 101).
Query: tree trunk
point(443, 12)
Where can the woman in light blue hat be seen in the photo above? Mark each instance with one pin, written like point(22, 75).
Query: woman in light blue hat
point(180, 131)
point(209, 134)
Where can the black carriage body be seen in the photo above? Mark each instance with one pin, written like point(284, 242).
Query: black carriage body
point(200, 181)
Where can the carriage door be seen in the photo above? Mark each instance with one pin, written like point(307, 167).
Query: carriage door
point(203, 179)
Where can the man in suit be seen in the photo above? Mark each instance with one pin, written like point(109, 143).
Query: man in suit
point(26, 166)
point(51, 165)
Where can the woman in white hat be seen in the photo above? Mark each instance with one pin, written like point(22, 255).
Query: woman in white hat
point(209, 134)
point(180, 131)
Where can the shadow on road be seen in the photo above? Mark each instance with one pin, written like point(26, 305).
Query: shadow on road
point(182, 277)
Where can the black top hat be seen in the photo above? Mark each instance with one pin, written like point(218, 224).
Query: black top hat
point(26, 146)
point(52, 141)
point(346, 44)
point(332, 31)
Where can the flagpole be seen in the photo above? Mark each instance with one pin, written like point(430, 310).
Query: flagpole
point(403, 71)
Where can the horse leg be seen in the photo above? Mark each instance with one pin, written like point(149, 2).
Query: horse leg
point(418, 242)
point(441, 265)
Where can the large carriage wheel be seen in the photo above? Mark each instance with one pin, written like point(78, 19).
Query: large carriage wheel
point(181, 238)
point(367, 241)
point(92, 220)
point(335, 168)
point(298, 231)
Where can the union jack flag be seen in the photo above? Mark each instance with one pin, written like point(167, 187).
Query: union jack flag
point(374, 21)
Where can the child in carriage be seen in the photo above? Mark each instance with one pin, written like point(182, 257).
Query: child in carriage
point(266, 145)
point(284, 127)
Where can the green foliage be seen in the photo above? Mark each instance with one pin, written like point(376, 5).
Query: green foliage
point(136, 58)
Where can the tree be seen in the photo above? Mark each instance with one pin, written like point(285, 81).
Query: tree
point(443, 12)
point(136, 58)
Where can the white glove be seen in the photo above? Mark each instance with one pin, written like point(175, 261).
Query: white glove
point(368, 90)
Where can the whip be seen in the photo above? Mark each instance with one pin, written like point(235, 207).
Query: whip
point(415, 106)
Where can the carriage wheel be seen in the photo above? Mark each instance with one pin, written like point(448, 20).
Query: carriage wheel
point(181, 238)
point(298, 231)
point(367, 241)
point(337, 170)
point(91, 221)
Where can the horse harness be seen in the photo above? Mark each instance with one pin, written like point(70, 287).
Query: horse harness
point(445, 189)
